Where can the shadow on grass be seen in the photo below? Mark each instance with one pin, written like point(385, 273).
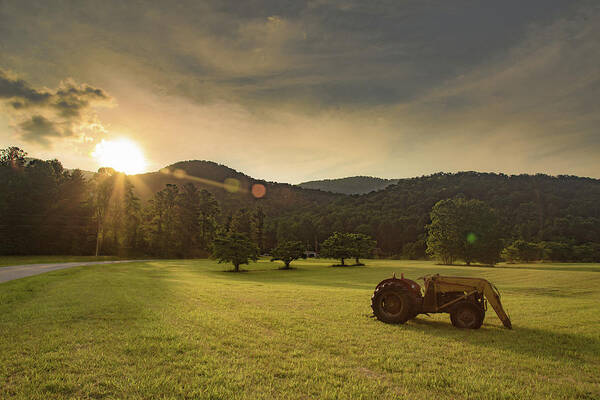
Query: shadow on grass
point(550, 267)
point(527, 341)
point(326, 276)
point(582, 267)
point(467, 265)
point(231, 273)
point(347, 265)
point(563, 292)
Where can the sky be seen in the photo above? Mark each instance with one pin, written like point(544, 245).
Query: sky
point(292, 91)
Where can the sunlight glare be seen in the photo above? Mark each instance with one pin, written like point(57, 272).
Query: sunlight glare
point(122, 154)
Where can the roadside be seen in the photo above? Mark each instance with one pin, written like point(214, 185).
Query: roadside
point(12, 272)
point(23, 260)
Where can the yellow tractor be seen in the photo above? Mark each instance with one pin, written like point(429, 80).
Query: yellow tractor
point(396, 301)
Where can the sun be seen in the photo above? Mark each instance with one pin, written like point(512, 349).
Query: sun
point(121, 154)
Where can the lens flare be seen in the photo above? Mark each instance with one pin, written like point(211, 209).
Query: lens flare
point(259, 190)
point(471, 238)
point(179, 174)
point(232, 185)
point(122, 154)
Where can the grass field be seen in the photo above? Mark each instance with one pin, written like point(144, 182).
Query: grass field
point(186, 329)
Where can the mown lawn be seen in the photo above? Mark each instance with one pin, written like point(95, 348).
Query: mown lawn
point(6, 261)
point(186, 329)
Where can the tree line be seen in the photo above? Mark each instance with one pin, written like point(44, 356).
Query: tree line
point(560, 216)
point(45, 209)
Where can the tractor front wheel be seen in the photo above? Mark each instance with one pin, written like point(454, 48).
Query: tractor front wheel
point(467, 315)
point(392, 304)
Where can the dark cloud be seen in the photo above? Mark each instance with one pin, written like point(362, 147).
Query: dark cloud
point(38, 129)
point(65, 106)
point(69, 99)
point(21, 92)
point(403, 47)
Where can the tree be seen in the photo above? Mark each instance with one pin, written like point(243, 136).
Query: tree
point(43, 208)
point(464, 229)
point(102, 193)
point(12, 157)
point(284, 230)
point(587, 252)
point(209, 211)
point(162, 222)
point(443, 233)
point(339, 245)
point(258, 228)
point(132, 219)
point(189, 222)
point(363, 246)
point(70, 219)
point(557, 251)
point(287, 252)
point(241, 222)
point(521, 251)
point(415, 250)
point(235, 248)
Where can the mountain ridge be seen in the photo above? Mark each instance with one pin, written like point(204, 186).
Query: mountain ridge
point(233, 189)
point(562, 210)
point(220, 172)
point(359, 184)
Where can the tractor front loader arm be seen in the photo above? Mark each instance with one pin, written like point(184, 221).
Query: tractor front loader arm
point(493, 297)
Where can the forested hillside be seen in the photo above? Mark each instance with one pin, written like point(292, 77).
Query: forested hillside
point(47, 210)
point(350, 185)
point(231, 188)
point(531, 207)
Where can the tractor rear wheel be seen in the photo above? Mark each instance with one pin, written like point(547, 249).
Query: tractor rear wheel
point(467, 315)
point(392, 304)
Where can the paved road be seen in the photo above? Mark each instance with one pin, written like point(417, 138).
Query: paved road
point(21, 271)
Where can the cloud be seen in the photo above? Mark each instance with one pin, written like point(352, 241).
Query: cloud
point(39, 129)
point(539, 101)
point(315, 54)
point(71, 100)
point(19, 92)
point(42, 114)
point(406, 87)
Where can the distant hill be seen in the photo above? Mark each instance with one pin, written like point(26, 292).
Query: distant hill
point(223, 182)
point(535, 208)
point(531, 207)
point(203, 173)
point(350, 185)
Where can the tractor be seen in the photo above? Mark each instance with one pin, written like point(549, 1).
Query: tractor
point(396, 301)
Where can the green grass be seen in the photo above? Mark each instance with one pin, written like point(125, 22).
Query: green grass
point(187, 329)
point(6, 261)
